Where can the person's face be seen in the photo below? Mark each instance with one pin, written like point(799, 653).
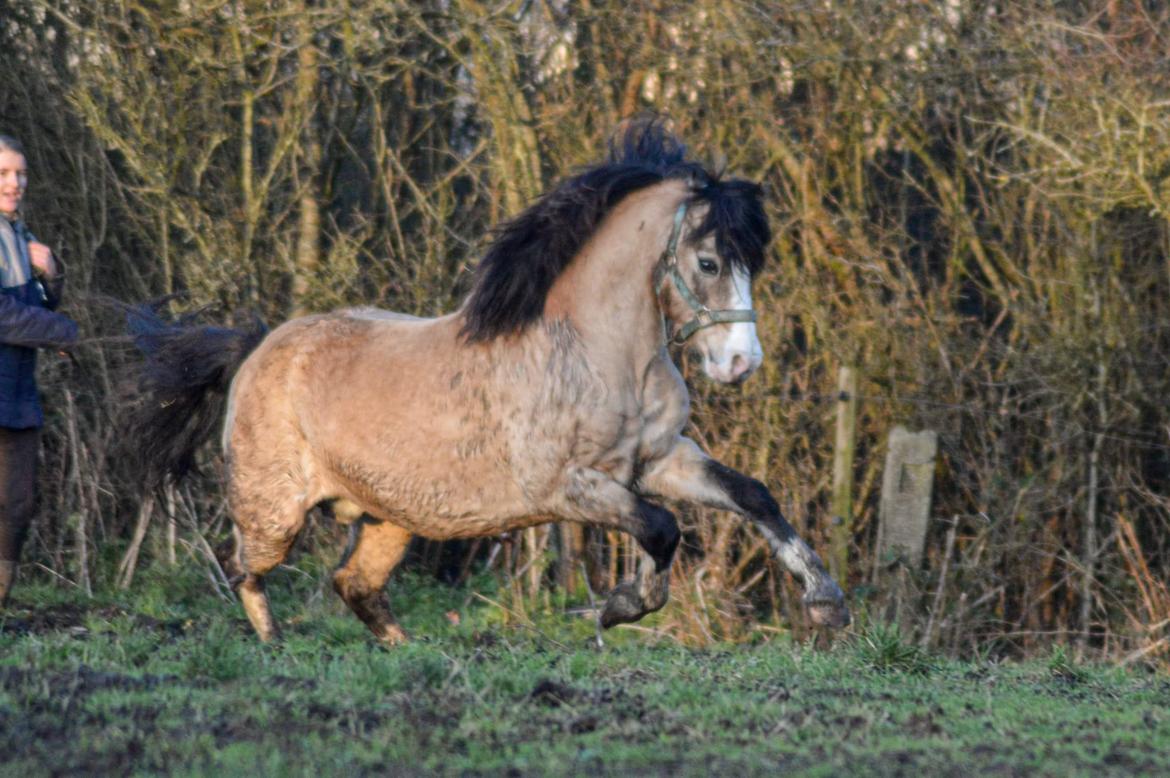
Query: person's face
point(13, 181)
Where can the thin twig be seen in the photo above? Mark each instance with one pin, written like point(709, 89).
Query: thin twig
point(130, 559)
point(942, 581)
point(54, 573)
point(218, 584)
point(592, 606)
point(521, 620)
point(1152, 648)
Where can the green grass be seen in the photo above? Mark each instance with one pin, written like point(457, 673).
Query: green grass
point(168, 679)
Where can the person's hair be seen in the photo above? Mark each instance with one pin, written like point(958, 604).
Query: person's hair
point(9, 143)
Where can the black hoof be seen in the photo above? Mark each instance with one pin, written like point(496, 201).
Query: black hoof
point(832, 614)
point(825, 604)
point(623, 606)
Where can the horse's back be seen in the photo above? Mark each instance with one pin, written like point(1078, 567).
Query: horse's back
point(347, 333)
point(329, 361)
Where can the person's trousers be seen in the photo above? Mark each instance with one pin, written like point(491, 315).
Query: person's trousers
point(18, 488)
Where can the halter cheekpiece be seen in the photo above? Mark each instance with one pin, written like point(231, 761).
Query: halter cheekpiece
point(668, 269)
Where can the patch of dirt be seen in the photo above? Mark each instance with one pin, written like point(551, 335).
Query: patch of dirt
point(33, 621)
point(578, 711)
point(924, 723)
point(85, 680)
point(74, 618)
point(552, 693)
point(51, 714)
point(583, 724)
point(51, 720)
point(1123, 757)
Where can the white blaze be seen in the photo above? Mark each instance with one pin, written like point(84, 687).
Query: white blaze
point(740, 352)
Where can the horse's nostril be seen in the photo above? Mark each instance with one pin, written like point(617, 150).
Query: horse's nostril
point(740, 366)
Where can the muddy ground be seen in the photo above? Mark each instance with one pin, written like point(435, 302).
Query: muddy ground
point(115, 690)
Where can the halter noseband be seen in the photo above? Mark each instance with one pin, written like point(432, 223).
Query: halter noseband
point(668, 268)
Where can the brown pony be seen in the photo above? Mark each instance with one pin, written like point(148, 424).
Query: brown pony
point(549, 395)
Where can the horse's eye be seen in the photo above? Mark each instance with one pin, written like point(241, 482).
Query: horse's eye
point(709, 266)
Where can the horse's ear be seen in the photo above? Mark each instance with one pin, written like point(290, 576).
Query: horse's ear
point(767, 191)
point(646, 139)
point(719, 165)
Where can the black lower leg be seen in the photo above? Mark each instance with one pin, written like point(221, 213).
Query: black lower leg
point(822, 596)
point(753, 498)
point(657, 532)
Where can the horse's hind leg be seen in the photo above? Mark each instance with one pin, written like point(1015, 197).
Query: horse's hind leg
point(261, 545)
point(375, 548)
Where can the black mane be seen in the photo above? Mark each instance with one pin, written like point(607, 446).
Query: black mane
point(530, 251)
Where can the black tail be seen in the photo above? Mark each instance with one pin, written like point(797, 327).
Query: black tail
point(181, 387)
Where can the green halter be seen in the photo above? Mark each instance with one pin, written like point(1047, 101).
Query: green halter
point(668, 268)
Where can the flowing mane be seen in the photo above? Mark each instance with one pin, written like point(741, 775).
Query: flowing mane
point(532, 249)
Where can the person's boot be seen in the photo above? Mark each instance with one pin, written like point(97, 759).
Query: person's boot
point(7, 576)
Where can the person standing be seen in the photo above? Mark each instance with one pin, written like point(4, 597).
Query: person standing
point(29, 290)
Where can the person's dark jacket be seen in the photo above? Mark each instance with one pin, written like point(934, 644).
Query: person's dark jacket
point(27, 322)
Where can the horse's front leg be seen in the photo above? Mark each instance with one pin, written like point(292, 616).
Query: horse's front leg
point(687, 474)
point(594, 497)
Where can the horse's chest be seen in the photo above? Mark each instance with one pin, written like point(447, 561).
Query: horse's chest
point(645, 425)
point(664, 414)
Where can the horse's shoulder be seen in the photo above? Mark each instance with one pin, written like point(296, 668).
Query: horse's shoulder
point(666, 404)
point(664, 383)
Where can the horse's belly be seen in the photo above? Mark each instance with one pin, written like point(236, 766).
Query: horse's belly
point(476, 526)
point(435, 496)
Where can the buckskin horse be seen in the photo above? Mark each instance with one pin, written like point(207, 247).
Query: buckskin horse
point(549, 395)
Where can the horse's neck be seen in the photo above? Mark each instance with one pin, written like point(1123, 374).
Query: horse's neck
point(607, 292)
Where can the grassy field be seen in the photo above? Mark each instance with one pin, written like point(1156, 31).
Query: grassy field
point(168, 679)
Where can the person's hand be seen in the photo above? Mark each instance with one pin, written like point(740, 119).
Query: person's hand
point(41, 257)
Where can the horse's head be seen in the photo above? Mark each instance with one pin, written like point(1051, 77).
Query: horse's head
point(706, 294)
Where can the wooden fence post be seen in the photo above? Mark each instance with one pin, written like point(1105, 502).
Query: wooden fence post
point(906, 489)
point(841, 503)
point(903, 517)
point(907, 484)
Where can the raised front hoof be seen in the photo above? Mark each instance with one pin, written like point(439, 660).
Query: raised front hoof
point(831, 614)
point(623, 606)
